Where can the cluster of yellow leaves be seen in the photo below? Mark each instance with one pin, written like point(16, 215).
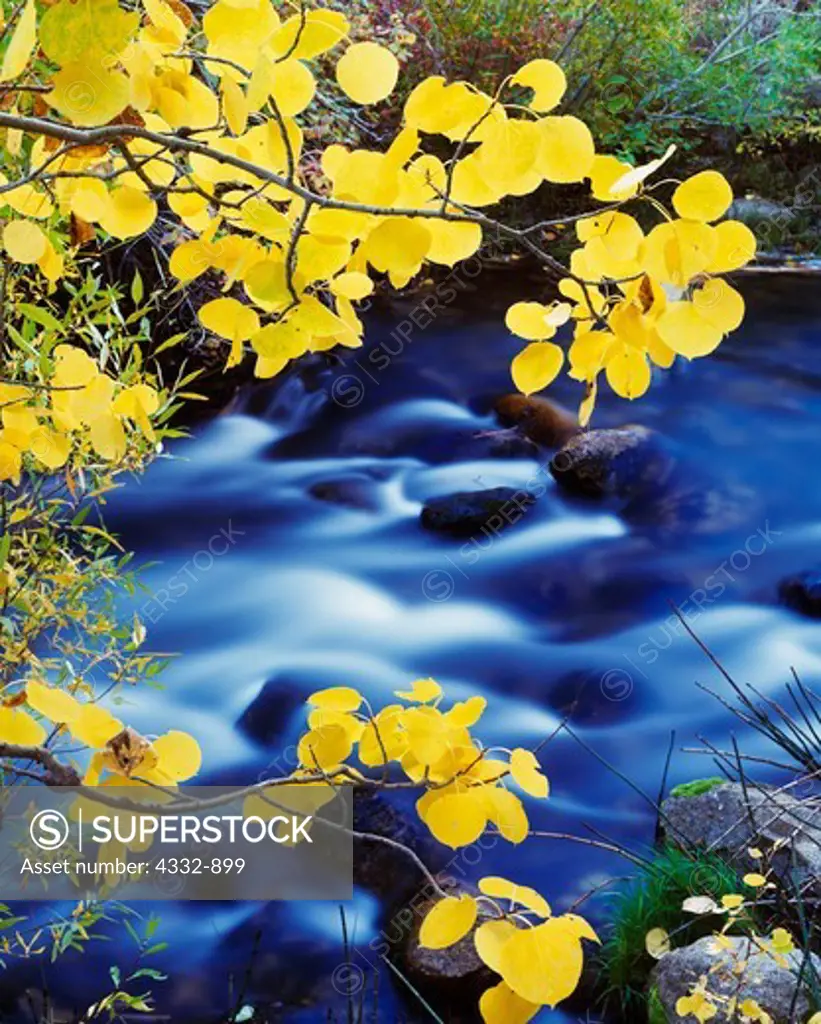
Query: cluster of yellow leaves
point(538, 956)
point(118, 750)
point(639, 299)
point(296, 261)
point(465, 786)
point(78, 400)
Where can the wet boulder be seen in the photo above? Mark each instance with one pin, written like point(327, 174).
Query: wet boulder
point(802, 592)
point(739, 970)
point(621, 462)
point(654, 487)
point(538, 419)
point(467, 513)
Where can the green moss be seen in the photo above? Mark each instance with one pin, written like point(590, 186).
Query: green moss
point(656, 1013)
point(696, 787)
point(653, 899)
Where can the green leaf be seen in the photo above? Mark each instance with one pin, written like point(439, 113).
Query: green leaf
point(39, 316)
point(137, 290)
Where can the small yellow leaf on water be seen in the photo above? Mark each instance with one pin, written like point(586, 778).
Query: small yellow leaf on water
point(657, 943)
point(367, 72)
point(754, 880)
point(449, 920)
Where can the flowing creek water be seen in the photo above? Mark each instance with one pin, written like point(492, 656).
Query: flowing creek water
point(571, 604)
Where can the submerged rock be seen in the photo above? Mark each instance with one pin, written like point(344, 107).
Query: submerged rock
point(727, 820)
point(266, 717)
point(349, 491)
point(802, 592)
point(741, 971)
point(468, 512)
point(657, 489)
point(539, 419)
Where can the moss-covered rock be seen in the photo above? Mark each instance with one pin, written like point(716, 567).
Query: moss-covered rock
point(696, 787)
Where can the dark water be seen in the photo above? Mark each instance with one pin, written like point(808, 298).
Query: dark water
point(570, 605)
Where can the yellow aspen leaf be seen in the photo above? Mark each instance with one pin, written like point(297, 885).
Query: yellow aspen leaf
point(448, 921)
point(567, 151)
point(754, 880)
point(94, 726)
point(383, 738)
point(536, 366)
point(627, 370)
point(367, 72)
point(24, 241)
point(89, 96)
point(89, 200)
point(137, 403)
point(527, 773)
point(229, 319)
point(352, 285)
point(509, 158)
point(352, 725)
point(604, 172)
point(452, 241)
point(16, 726)
point(467, 713)
point(266, 284)
point(543, 964)
point(239, 33)
point(397, 243)
point(503, 889)
point(51, 702)
point(337, 698)
point(620, 233)
point(292, 87)
point(73, 367)
point(456, 819)
point(546, 79)
point(86, 31)
point(705, 196)
point(506, 812)
point(490, 938)
point(234, 106)
point(732, 901)
point(130, 212)
point(325, 747)
point(265, 220)
point(28, 202)
point(178, 755)
point(108, 437)
point(657, 943)
point(305, 37)
point(422, 691)
point(687, 332)
point(501, 1005)
point(50, 447)
point(640, 174)
point(530, 320)
point(735, 246)
point(720, 304)
point(21, 45)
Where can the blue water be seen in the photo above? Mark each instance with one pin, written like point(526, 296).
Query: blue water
point(258, 579)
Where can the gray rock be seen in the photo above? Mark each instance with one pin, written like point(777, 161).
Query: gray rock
point(771, 984)
point(539, 419)
point(727, 822)
point(755, 210)
point(621, 462)
point(466, 513)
